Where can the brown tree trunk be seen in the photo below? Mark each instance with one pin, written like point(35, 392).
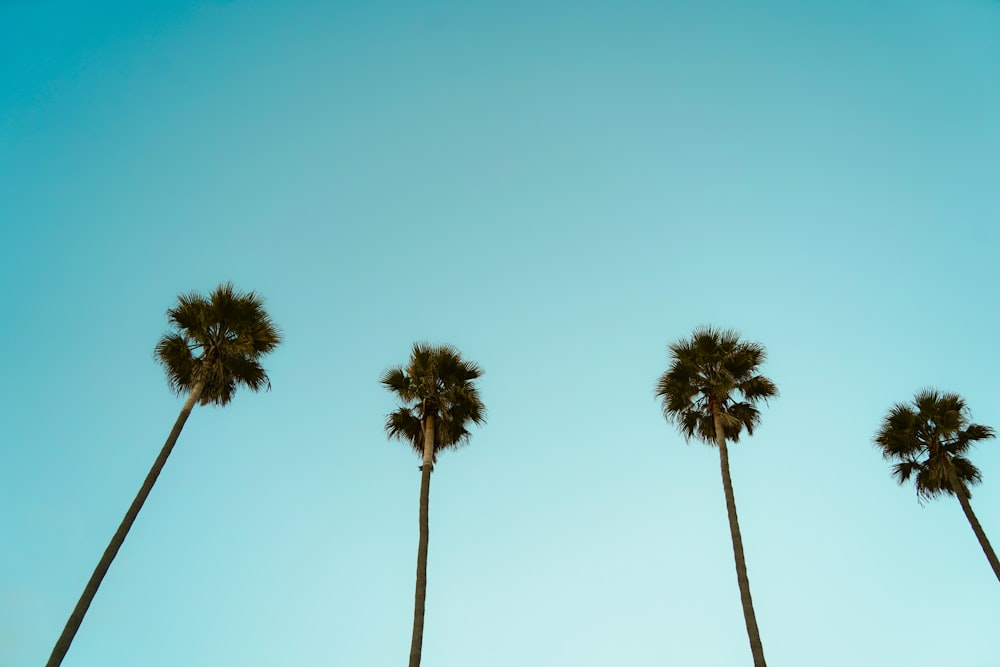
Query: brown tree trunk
point(417, 641)
point(73, 624)
point(756, 648)
point(991, 555)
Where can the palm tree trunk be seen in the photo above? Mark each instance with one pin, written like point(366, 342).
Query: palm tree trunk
point(76, 618)
point(417, 641)
point(991, 555)
point(756, 648)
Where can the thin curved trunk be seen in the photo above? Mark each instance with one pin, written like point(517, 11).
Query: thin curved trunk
point(756, 648)
point(76, 618)
point(416, 643)
point(991, 555)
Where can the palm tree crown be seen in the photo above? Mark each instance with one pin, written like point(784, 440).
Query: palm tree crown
point(218, 340)
point(436, 383)
point(712, 370)
point(929, 439)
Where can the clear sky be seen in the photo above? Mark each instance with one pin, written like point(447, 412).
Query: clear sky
point(559, 189)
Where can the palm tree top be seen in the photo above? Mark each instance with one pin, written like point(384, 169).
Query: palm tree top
point(439, 383)
point(714, 369)
point(928, 439)
point(219, 339)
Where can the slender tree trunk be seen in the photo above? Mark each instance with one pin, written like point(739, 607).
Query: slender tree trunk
point(73, 624)
point(756, 648)
point(416, 643)
point(991, 555)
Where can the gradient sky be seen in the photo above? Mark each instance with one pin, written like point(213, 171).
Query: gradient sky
point(560, 190)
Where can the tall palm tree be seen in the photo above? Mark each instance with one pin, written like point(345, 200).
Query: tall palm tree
point(214, 347)
point(439, 401)
point(929, 440)
point(710, 392)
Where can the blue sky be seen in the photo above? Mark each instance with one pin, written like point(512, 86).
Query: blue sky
point(560, 190)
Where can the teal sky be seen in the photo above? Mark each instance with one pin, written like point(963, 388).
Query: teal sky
point(560, 190)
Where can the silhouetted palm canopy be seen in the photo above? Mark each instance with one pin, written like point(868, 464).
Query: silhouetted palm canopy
point(714, 369)
point(219, 339)
point(437, 382)
point(929, 439)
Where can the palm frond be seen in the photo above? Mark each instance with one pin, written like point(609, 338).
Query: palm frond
point(932, 480)
point(903, 470)
point(897, 437)
point(972, 434)
point(174, 355)
point(403, 425)
point(741, 416)
point(965, 472)
point(396, 380)
point(757, 388)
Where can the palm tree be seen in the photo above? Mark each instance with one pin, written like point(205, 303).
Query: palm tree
point(214, 347)
point(439, 401)
point(709, 392)
point(929, 440)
